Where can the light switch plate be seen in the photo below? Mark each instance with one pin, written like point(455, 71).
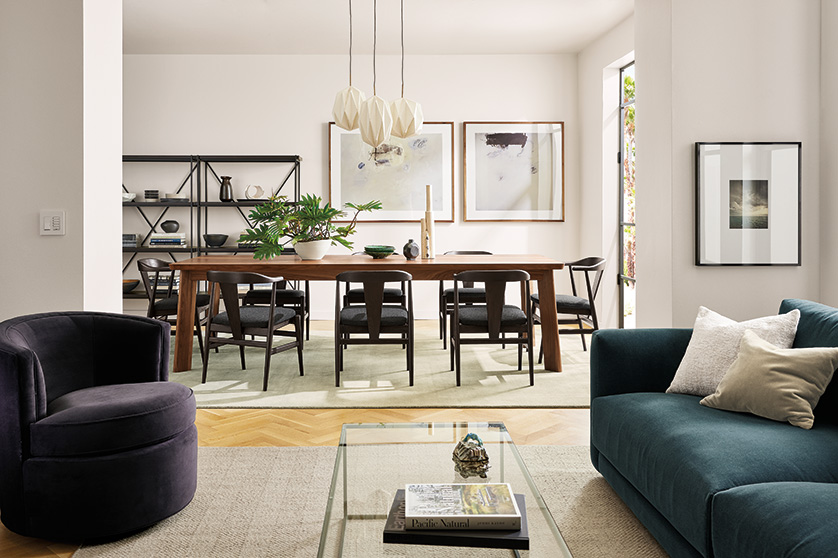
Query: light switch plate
point(52, 222)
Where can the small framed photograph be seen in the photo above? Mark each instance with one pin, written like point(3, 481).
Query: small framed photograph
point(513, 171)
point(396, 173)
point(747, 203)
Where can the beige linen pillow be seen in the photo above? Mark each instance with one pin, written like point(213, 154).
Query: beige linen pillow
point(779, 384)
point(715, 343)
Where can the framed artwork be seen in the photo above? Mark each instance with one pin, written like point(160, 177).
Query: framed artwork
point(513, 171)
point(747, 203)
point(396, 173)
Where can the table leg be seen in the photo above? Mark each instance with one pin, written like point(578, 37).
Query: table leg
point(549, 323)
point(185, 315)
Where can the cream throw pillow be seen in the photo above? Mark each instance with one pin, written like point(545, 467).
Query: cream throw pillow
point(715, 343)
point(779, 384)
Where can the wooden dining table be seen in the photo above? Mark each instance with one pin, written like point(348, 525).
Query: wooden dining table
point(441, 267)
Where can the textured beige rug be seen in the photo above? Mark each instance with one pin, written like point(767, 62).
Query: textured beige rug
point(259, 502)
point(376, 376)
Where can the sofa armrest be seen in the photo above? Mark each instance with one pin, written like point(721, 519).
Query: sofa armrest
point(635, 360)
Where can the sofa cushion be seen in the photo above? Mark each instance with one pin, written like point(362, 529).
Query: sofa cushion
point(678, 454)
point(779, 384)
point(112, 418)
point(818, 327)
point(789, 519)
point(715, 344)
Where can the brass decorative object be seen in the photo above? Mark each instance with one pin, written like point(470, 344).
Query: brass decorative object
point(470, 457)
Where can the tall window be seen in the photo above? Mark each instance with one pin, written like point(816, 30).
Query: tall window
point(628, 248)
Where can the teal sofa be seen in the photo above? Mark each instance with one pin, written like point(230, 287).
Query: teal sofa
point(707, 482)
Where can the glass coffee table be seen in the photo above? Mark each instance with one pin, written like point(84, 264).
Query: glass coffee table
point(375, 460)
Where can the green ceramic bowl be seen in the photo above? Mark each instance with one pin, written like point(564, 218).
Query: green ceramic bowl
point(378, 251)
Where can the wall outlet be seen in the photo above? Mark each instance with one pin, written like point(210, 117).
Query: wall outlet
point(52, 222)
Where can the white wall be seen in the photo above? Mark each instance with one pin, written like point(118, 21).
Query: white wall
point(736, 71)
point(599, 118)
point(281, 105)
point(102, 137)
point(829, 152)
point(44, 158)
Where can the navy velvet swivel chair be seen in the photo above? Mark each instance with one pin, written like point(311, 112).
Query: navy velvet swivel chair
point(94, 441)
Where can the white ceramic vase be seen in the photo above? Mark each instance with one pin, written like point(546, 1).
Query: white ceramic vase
point(313, 249)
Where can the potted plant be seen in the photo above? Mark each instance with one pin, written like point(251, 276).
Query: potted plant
point(307, 224)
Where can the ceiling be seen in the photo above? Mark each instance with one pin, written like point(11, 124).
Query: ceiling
point(322, 26)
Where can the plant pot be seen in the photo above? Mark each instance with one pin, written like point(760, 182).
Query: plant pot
point(313, 249)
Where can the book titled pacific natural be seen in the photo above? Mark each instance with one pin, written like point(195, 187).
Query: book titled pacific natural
point(461, 506)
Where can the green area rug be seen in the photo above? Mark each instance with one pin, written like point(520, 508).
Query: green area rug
point(258, 502)
point(375, 376)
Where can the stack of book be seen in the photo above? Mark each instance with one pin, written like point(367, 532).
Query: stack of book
point(484, 515)
point(167, 240)
point(130, 240)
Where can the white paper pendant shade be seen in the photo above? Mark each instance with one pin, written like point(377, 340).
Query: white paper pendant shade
point(407, 118)
point(348, 107)
point(375, 121)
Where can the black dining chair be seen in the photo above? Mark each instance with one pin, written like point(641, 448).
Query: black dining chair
point(288, 295)
point(374, 317)
point(256, 321)
point(469, 294)
point(162, 302)
point(582, 308)
point(494, 318)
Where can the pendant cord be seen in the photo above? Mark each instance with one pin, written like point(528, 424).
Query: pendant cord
point(350, 43)
point(402, 14)
point(374, 40)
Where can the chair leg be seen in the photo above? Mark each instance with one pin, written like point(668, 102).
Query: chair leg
point(584, 347)
point(457, 358)
point(541, 352)
point(241, 352)
point(206, 356)
point(268, 351)
point(338, 347)
point(198, 333)
point(520, 355)
point(444, 320)
point(410, 347)
point(298, 327)
point(529, 355)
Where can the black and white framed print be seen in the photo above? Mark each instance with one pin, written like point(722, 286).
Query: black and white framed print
point(513, 171)
point(747, 203)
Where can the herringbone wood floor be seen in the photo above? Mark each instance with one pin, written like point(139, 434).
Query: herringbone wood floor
point(321, 427)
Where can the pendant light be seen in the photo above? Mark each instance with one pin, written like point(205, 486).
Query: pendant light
point(407, 114)
point(375, 121)
point(348, 101)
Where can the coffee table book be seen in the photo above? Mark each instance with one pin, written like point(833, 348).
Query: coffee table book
point(461, 506)
point(395, 532)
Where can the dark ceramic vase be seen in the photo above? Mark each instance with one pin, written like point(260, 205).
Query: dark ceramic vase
point(226, 193)
point(411, 250)
point(170, 226)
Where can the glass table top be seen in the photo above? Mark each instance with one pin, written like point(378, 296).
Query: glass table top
point(375, 460)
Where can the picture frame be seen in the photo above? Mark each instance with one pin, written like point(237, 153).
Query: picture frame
point(513, 171)
point(395, 173)
point(747, 203)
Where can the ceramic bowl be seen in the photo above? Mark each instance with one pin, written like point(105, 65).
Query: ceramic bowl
point(379, 251)
point(128, 196)
point(129, 285)
point(215, 240)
